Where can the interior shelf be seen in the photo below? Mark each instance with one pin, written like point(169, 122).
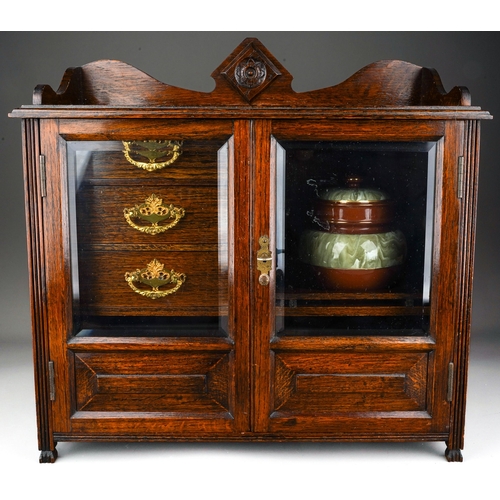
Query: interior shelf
point(314, 303)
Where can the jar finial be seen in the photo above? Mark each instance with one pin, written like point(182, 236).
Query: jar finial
point(353, 181)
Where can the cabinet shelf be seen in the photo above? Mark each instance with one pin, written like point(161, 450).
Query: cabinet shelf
point(346, 342)
point(112, 344)
point(326, 295)
point(352, 311)
point(307, 303)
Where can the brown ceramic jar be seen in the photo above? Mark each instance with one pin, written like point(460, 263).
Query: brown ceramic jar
point(354, 246)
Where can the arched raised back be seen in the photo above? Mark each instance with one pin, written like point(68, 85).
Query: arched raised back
point(252, 76)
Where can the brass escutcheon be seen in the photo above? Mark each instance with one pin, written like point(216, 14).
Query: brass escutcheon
point(158, 153)
point(153, 211)
point(264, 260)
point(155, 276)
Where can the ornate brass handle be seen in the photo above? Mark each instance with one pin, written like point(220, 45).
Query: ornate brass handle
point(158, 154)
point(264, 260)
point(155, 276)
point(153, 211)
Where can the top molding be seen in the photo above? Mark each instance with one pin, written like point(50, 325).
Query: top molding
point(250, 78)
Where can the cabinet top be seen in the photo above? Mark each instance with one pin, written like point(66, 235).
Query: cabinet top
point(250, 83)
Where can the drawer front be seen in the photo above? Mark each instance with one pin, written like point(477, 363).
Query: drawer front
point(104, 289)
point(198, 162)
point(161, 214)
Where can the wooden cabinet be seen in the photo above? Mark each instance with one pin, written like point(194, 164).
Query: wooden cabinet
point(186, 286)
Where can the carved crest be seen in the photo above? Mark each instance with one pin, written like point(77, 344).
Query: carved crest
point(251, 71)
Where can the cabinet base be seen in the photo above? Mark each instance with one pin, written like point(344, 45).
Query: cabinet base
point(50, 456)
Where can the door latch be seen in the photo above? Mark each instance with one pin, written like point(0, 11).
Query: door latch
point(264, 260)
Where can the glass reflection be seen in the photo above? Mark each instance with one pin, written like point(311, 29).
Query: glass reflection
point(149, 246)
point(354, 236)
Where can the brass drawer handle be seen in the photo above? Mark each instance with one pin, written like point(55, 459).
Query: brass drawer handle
point(155, 276)
point(152, 155)
point(154, 211)
point(264, 260)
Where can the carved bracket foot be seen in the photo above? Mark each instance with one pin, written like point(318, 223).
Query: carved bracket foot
point(453, 455)
point(48, 456)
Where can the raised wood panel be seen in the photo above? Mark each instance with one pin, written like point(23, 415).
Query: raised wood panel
point(153, 382)
point(309, 384)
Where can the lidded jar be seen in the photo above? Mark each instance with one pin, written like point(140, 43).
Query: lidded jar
point(354, 245)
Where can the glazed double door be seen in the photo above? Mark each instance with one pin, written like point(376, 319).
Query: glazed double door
point(186, 306)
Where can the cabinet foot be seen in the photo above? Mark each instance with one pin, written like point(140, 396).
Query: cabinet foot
point(48, 456)
point(453, 455)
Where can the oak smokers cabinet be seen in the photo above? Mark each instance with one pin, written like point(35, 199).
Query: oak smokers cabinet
point(174, 295)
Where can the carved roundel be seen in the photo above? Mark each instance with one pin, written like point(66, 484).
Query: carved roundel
point(250, 73)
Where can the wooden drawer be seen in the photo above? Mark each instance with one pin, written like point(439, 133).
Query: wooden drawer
point(131, 215)
point(198, 162)
point(105, 291)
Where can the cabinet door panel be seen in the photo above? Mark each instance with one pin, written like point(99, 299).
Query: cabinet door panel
point(354, 217)
point(184, 383)
point(310, 384)
point(150, 307)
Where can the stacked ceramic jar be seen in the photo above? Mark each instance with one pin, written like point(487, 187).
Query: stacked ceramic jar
point(354, 245)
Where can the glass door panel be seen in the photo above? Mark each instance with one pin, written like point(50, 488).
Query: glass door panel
point(354, 237)
point(149, 237)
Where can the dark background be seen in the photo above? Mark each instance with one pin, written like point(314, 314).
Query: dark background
point(186, 59)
